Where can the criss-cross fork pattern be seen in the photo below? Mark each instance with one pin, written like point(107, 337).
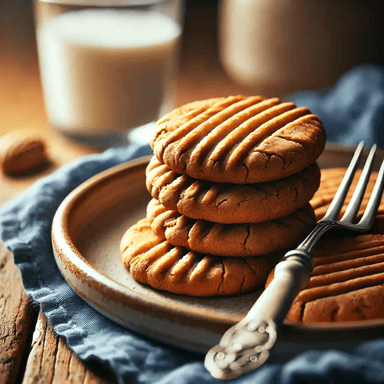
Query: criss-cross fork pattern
point(246, 345)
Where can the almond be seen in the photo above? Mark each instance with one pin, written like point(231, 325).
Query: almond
point(22, 151)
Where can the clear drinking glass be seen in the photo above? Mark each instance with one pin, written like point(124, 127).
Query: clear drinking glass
point(107, 66)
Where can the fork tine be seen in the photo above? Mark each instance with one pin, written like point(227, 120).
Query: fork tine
point(358, 194)
point(338, 200)
point(369, 215)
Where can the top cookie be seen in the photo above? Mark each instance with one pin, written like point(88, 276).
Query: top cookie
point(239, 139)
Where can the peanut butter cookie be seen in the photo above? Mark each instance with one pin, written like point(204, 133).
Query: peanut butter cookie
point(153, 261)
point(232, 240)
point(239, 139)
point(330, 182)
point(231, 203)
point(346, 283)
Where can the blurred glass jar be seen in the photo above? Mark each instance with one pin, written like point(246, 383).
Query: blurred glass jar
point(275, 46)
point(107, 66)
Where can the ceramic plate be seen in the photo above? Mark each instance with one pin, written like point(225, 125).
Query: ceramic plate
point(86, 233)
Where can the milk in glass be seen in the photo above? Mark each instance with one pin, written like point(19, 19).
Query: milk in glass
point(107, 70)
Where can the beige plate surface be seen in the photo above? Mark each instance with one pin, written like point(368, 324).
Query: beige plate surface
point(86, 233)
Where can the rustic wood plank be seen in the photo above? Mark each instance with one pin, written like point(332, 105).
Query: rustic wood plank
point(16, 318)
point(52, 362)
point(41, 360)
point(65, 371)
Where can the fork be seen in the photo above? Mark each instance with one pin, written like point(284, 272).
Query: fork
point(246, 346)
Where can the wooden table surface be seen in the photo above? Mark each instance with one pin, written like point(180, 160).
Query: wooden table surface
point(29, 351)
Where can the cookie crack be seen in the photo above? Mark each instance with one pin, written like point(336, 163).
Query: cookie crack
point(270, 155)
point(248, 230)
point(246, 171)
point(260, 188)
point(334, 313)
point(251, 271)
point(293, 187)
point(249, 266)
point(221, 202)
point(302, 310)
point(241, 202)
point(242, 284)
point(360, 309)
point(221, 277)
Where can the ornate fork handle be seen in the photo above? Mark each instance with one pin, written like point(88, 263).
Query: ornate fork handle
point(246, 345)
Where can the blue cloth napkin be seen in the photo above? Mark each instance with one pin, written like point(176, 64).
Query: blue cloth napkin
point(353, 110)
point(25, 229)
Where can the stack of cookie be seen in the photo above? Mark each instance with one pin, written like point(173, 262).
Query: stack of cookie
point(231, 179)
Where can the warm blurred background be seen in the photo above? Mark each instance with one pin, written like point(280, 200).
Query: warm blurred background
point(21, 100)
point(202, 74)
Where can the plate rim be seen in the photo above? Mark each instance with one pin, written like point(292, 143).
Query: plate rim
point(67, 252)
point(76, 263)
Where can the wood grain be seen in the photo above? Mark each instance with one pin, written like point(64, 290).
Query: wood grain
point(50, 361)
point(16, 318)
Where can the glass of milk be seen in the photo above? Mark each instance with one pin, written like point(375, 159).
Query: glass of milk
point(107, 66)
